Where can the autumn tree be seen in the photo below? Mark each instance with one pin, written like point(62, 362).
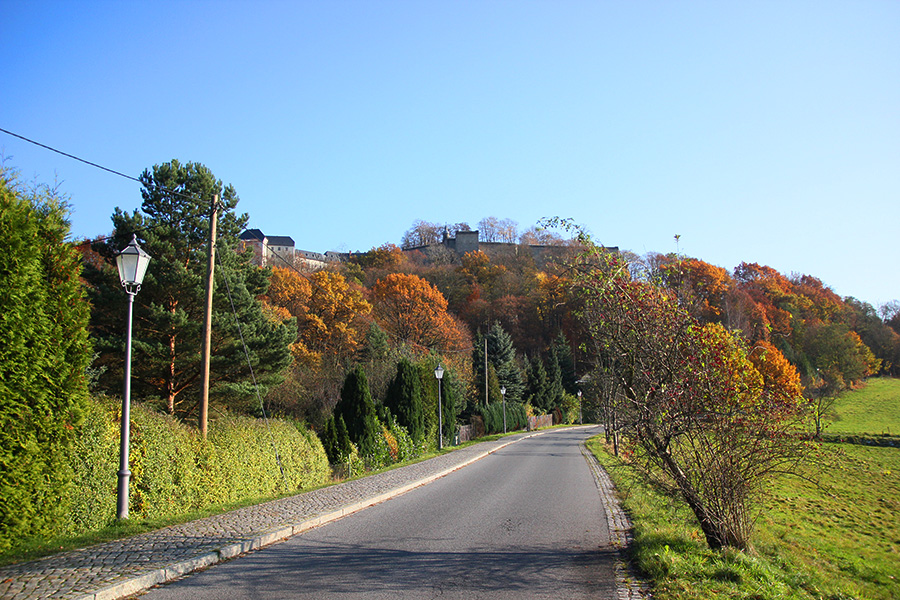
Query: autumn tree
point(386, 256)
point(536, 236)
point(414, 312)
point(702, 288)
point(422, 233)
point(173, 226)
point(700, 418)
point(329, 313)
point(492, 229)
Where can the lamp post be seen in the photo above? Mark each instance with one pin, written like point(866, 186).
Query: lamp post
point(132, 263)
point(439, 374)
point(580, 420)
point(503, 395)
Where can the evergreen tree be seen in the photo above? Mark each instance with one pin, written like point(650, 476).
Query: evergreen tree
point(502, 354)
point(358, 411)
point(494, 386)
point(555, 390)
point(404, 398)
point(478, 368)
point(343, 439)
point(173, 226)
point(537, 392)
point(330, 441)
point(43, 357)
point(566, 364)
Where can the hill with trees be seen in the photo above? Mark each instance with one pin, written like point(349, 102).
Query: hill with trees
point(682, 357)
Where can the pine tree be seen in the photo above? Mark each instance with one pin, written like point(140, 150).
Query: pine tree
point(343, 439)
point(330, 441)
point(404, 398)
point(173, 226)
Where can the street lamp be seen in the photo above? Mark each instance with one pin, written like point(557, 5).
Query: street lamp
point(580, 421)
point(439, 374)
point(503, 395)
point(132, 263)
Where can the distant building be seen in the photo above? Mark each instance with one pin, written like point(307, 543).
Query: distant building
point(277, 251)
point(255, 240)
point(467, 241)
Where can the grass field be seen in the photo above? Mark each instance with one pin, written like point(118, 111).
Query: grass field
point(833, 534)
point(873, 409)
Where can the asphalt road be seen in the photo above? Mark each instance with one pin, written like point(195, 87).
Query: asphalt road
point(524, 522)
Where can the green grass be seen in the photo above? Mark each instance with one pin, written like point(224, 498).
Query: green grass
point(873, 409)
point(836, 540)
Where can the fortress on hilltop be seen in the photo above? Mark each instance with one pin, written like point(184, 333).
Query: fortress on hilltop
point(280, 250)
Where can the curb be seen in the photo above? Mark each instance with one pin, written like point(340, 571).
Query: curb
point(143, 582)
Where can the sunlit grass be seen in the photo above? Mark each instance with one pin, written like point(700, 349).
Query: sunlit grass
point(872, 409)
point(836, 540)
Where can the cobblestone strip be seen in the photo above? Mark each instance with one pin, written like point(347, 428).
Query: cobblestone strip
point(628, 584)
point(123, 567)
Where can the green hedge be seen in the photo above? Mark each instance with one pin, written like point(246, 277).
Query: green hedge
point(175, 472)
point(516, 417)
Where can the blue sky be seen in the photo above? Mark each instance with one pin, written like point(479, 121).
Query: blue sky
point(758, 131)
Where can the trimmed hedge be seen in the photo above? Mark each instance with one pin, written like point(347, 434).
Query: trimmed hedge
point(176, 472)
point(516, 416)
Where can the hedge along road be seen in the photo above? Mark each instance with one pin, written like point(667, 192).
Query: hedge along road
point(524, 522)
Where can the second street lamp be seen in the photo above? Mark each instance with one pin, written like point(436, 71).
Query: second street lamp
point(439, 374)
point(503, 395)
point(132, 264)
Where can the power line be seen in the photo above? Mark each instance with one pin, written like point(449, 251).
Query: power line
point(72, 156)
point(95, 165)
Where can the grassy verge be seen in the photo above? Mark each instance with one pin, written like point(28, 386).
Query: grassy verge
point(835, 541)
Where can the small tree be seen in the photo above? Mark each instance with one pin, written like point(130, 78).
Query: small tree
point(702, 422)
point(404, 398)
point(357, 410)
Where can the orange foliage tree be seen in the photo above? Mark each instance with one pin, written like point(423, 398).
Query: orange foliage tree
point(415, 312)
point(330, 313)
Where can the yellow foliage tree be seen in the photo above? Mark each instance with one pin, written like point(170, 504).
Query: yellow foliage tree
point(330, 313)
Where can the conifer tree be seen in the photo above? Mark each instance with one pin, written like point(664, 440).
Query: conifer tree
point(555, 390)
point(343, 439)
point(404, 398)
point(566, 364)
point(43, 356)
point(537, 389)
point(502, 354)
point(357, 410)
point(173, 226)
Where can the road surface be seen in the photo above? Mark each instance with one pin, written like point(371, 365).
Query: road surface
point(524, 522)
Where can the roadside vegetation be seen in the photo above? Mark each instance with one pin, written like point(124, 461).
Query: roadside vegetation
point(706, 379)
point(831, 532)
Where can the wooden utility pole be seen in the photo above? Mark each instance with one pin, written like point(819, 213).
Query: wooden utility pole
point(485, 373)
point(207, 322)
